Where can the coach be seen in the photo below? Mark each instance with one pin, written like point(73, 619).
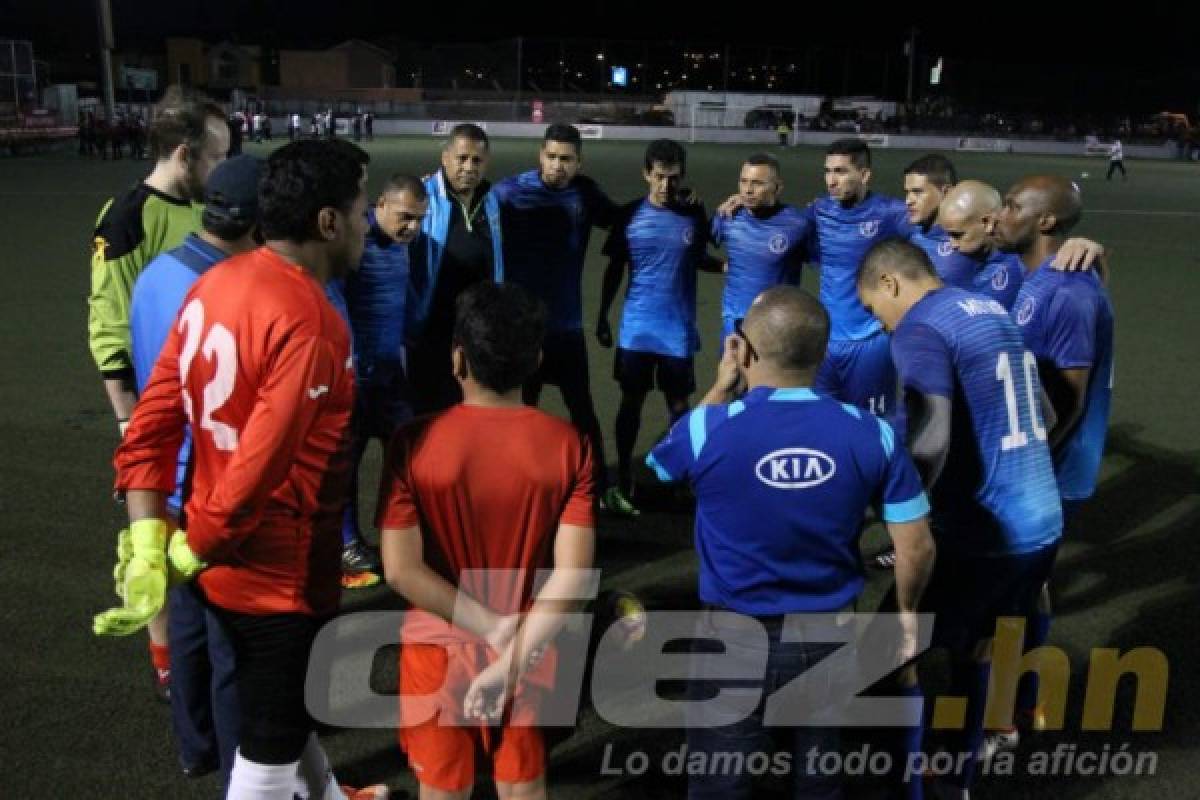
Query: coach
point(460, 245)
point(809, 467)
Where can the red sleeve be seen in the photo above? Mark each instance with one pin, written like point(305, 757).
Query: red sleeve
point(580, 507)
point(147, 455)
point(397, 500)
point(282, 416)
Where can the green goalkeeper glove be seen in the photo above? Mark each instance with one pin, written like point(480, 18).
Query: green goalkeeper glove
point(144, 584)
point(182, 563)
point(124, 553)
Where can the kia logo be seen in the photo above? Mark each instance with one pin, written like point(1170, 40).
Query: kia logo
point(795, 468)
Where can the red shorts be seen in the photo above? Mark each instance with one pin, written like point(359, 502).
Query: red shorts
point(440, 745)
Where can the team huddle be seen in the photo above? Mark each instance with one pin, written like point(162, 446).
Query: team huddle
point(258, 322)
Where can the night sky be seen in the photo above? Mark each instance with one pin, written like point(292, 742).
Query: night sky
point(1139, 54)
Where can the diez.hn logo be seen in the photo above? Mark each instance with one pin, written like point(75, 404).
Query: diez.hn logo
point(869, 228)
point(795, 468)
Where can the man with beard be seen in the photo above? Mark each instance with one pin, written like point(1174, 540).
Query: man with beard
point(188, 138)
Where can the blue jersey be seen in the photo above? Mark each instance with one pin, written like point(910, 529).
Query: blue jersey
point(952, 267)
point(1067, 321)
point(782, 479)
point(156, 302)
point(375, 302)
point(546, 234)
point(663, 247)
point(763, 252)
point(1000, 278)
point(996, 494)
point(843, 237)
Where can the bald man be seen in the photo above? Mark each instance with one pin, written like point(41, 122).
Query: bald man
point(976, 433)
point(1067, 323)
point(968, 215)
point(798, 551)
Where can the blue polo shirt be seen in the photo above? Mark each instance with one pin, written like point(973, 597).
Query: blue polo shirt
point(783, 478)
point(157, 300)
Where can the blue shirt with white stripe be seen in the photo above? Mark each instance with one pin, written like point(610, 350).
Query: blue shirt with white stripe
point(996, 494)
point(156, 303)
point(782, 480)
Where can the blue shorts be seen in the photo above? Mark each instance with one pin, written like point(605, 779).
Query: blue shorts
point(638, 372)
point(860, 373)
point(968, 593)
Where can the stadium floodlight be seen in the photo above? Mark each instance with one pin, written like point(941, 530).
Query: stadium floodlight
point(620, 76)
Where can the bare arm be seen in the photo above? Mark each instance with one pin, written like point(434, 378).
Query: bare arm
point(929, 421)
point(915, 555)
point(407, 573)
point(1069, 399)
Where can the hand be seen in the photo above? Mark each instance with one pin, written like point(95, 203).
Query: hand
point(729, 377)
point(182, 563)
point(604, 333)
point(144, 588)
point(488, 694)
point(1077, 254)
point(124, 554)
point(730, 206)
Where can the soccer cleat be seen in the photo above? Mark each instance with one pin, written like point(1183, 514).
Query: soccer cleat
point(360, 580)
point(998, 741)
point(377, 792)
point(615, 501)
point(358, 557)
point(162, 684)
point(886, 559)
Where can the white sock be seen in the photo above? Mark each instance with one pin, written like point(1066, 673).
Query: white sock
point(253, 781)
point(314, 776)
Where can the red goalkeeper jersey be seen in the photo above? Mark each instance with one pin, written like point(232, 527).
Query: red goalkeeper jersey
point(258, 362)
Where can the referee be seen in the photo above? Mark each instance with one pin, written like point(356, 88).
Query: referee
point(809, 467)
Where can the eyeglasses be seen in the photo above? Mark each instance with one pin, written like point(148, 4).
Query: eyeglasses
point(737, 328)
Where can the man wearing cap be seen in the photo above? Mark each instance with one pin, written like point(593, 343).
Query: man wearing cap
point(204, 709)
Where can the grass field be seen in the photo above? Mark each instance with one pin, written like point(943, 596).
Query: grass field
point(80, 720)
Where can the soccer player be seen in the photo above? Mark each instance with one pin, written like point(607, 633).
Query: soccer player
point(547, 216)
point(460, 246)
point(477, 500)
point(376, 296)
point(259, 363)
point(1067, 322)
point(663, 244)
point(968, 215)
point(187, 139)
point(782, 478)
point(204, 710)
point(849, 220)
point(976, 433)
point(766, 241)
point(1116, 161)
point(926, 182)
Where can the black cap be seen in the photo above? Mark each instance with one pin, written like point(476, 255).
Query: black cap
point(232, 189)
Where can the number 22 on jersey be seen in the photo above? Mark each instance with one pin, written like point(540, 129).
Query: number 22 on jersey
point(220, 348)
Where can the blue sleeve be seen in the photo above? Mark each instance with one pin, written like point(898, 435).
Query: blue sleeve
point(674, 457)
point(903, 497)
point(899, 219)
point(1071, 329)
point(718, 229)
point(922, 361)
